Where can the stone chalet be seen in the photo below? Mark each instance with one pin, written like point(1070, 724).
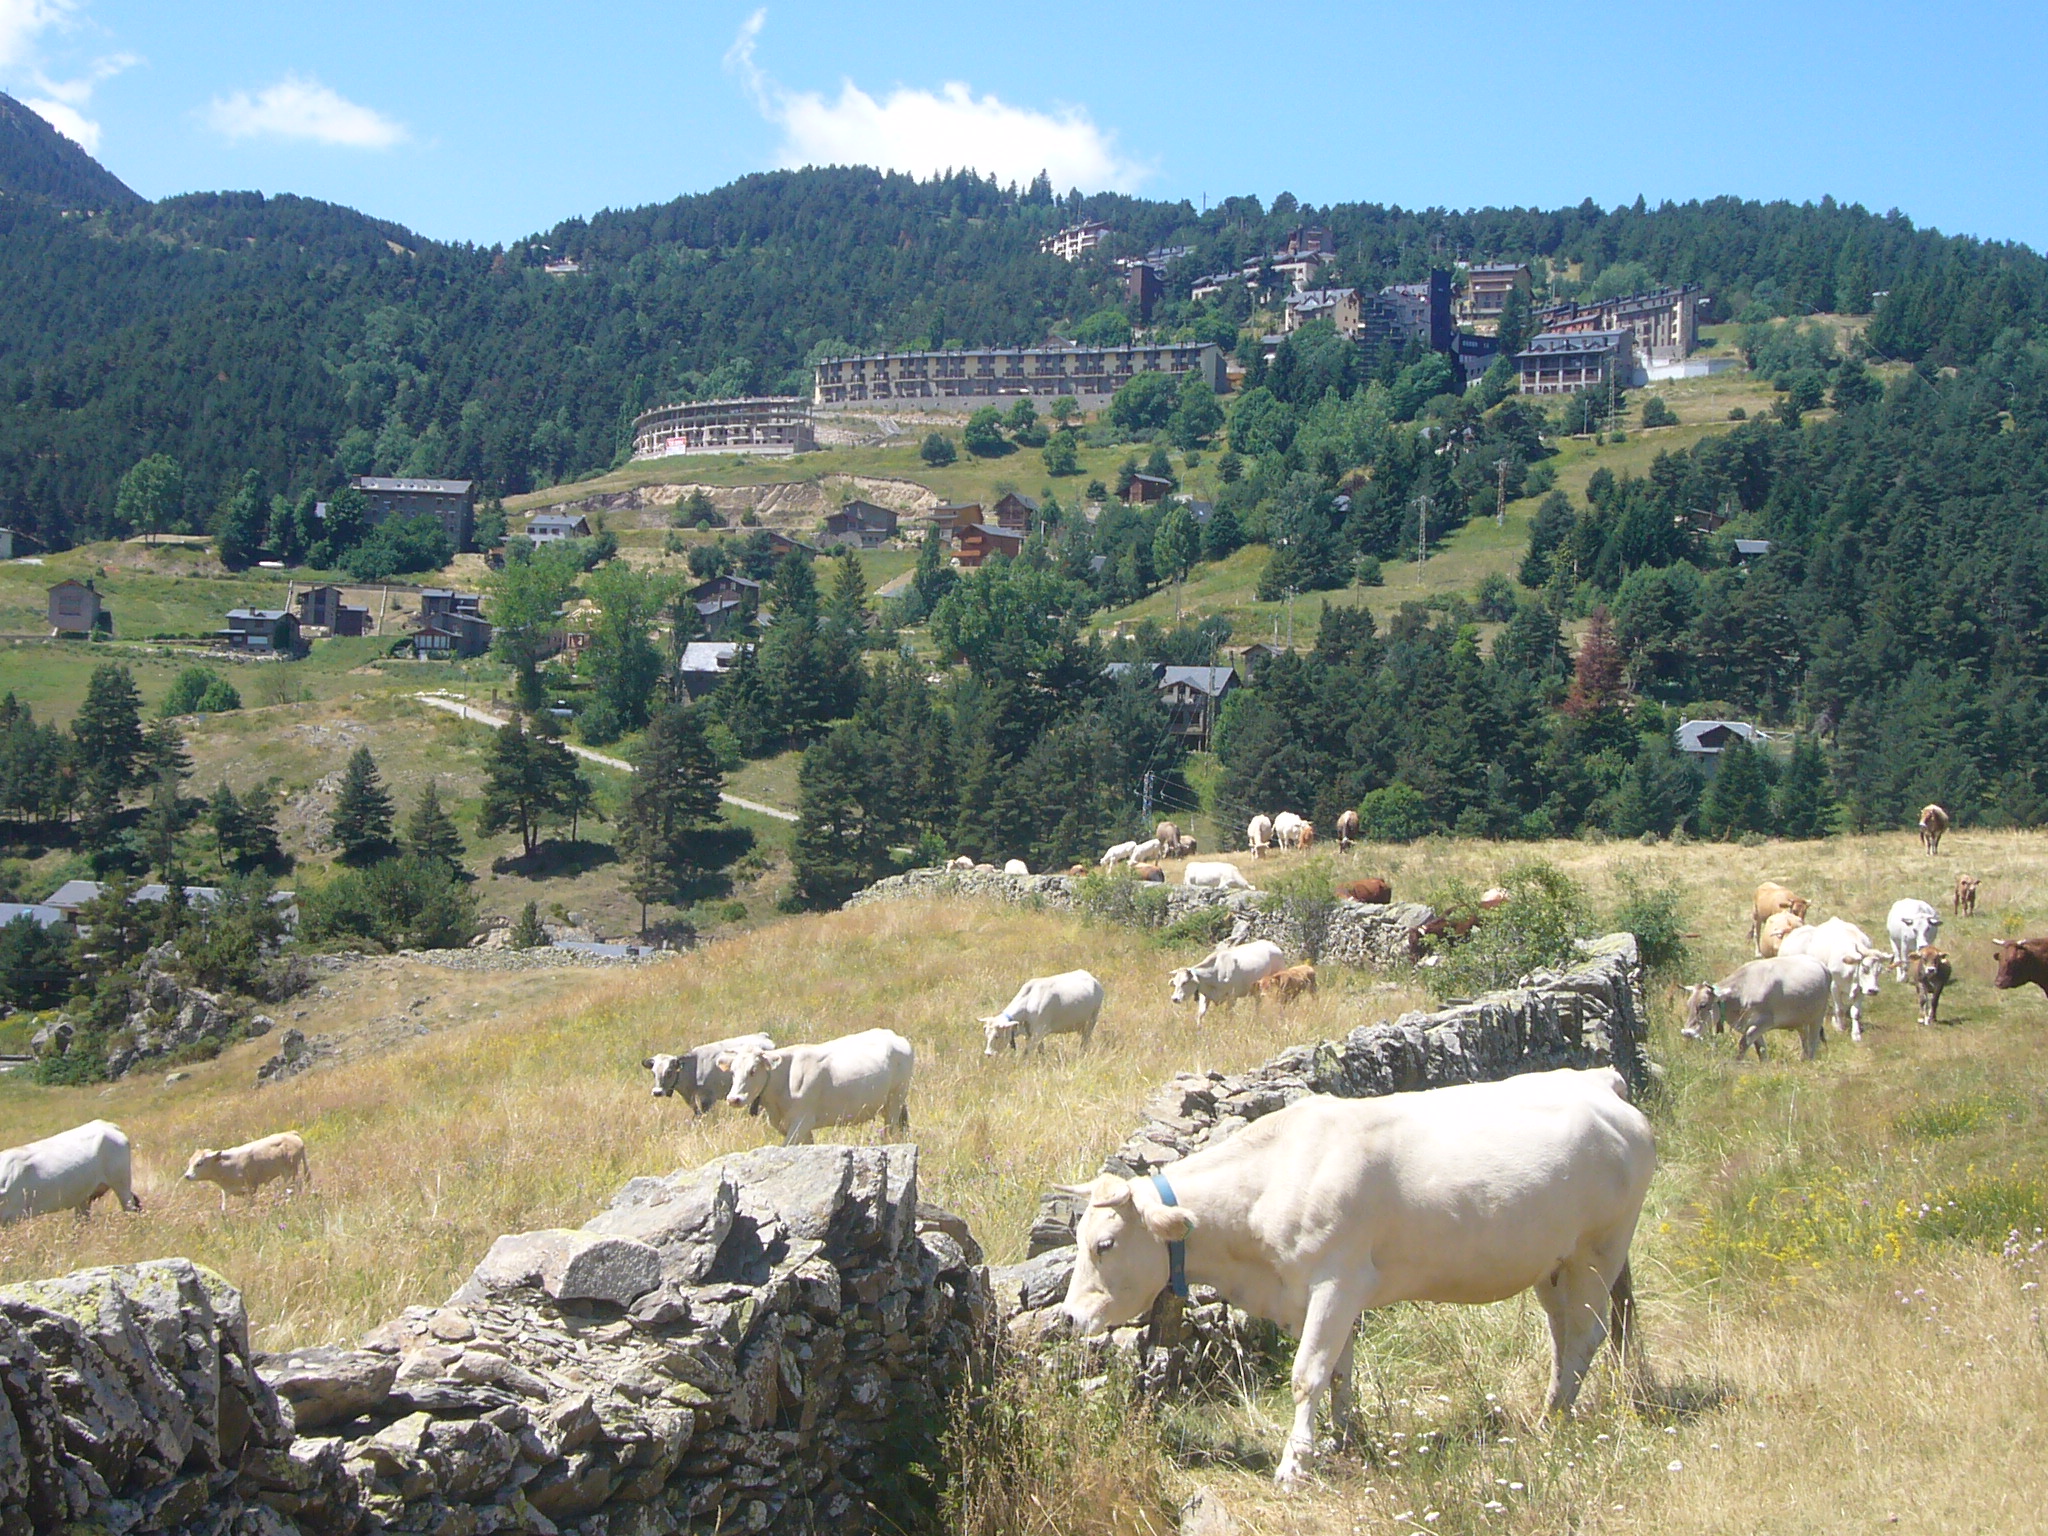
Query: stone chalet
point(861, 524)
point(449, 634)
point(1488, 285)
point(440, 600)
point(1339, 306)
point(323, 608)
point(724, 600)
point(705, 664)
point(949, 517)
point(261, 631)
point(978, 541)
point(556, 527)
point(75, 609)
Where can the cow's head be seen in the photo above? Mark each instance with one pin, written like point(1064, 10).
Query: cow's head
point(998, 1029)
point(2010, 954)
point(1929, 963)
point(206, 1160)
point(1870, 964)
point(672, 1074)
point(1184, 988)
point(1702, 1007)
point(749, 1066)
point(1797, 906)
point(1120, 1263)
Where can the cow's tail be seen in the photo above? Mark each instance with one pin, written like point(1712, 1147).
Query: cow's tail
point(1621, 1313)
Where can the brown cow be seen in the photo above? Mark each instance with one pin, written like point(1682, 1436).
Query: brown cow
point(1147, 872)
point(2021, 963)
point(1770, 898)
point(1285, 986)
point(1933, 822)
point(1449, 930)
point(1966, 895)
point(1927, 968)
point(1347, 829)
point(1374, 892)
point(1776, 926)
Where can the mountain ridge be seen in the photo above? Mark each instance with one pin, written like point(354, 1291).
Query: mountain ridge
point(37, 161)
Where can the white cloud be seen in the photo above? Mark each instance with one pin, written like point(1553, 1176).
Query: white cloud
point(301, 108)
point(23, 22)
point(924, 132)
point(69, 121)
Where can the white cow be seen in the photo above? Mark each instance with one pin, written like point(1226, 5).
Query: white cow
point(1231, 971)
point(1147, 851)
point(1258, 835)
point(1783, 992)
point(1217, 876)
point(1330, 1207)
point(245, 1169)
point(1854, 965)
point(1287, 829)
point(695, 1076)
point(847, 1081)
point(1120, 854)
point(1016, 867)
point(1911, 924)
point(1066, 1004)
point(67, 1172)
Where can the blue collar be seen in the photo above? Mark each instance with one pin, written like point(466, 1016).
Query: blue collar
point(1176, 1252)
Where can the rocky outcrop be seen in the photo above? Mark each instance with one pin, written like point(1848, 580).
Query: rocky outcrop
point(1589, 1015)
point(1345, 931)
point(165, 1017)
point(763, 1344)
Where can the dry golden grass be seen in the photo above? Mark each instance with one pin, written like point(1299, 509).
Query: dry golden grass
point(1824, 1353)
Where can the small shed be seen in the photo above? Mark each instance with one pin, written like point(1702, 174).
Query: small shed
point(75, 609)
point(1146, 489)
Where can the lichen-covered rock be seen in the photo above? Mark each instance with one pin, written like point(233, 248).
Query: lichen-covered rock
point(325, 1385)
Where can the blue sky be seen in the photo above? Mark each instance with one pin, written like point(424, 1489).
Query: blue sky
point(488, 122)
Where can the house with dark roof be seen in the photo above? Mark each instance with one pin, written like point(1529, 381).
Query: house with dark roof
point(1564, 362)
point(438, 600)
point(978, 541)
point(1192, 696)
point(324, 608)
point(451, 503)
point(1014, 511)
point(949, 517)
point(860, 524)
point(555, 527)
point(449, 634)
point(1706, 740)
point(783, 544)
point(261, 631)
point(1146, 489)
point(75, 609)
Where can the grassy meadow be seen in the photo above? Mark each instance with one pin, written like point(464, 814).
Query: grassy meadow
point(1839, 1333)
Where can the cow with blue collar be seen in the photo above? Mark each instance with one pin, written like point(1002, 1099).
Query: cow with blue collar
point(1313, 1214)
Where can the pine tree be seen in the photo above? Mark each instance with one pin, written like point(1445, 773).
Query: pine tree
point(230, 826)
point(109, 730)
point(527, 933)
point(157, 836)
point(243, 518)
point(843, 828)
point(742, 702)
point(1596, 672)
point(1738, 800)
point(361, 827)
point(673, 799)
point(528, 781)
point(163, 751)
point(430, 832)
point(1805, 801)
point(259, 845)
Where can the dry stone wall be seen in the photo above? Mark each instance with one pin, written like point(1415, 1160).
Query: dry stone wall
point(1589, 1015)
point(1346, 931)
point(764, 1344)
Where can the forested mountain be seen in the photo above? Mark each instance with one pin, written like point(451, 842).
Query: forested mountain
point(235, 331)
point(37, 161)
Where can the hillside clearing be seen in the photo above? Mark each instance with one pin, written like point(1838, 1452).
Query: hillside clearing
point(1835, 1336)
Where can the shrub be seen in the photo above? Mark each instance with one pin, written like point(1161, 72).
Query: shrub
point(1119, 898)
point(400, 903)
point(1394, 814)
point(937, 450)
point(1657, 414)
point(197, 691)
point(1545, 911)
point(1369, 573)
point(1303, 898)
point(1207, 926)
point(527, 933)
point(1651, 913)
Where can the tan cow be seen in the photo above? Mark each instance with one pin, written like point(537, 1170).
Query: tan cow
point(1285, 986)
point(1770, 898)
point(1168, 835)
point(1776, 926)
point(1933, 822)
point(1927, 968)
point(245, 1169)
point(1966, 895)
point(1149, 872)
point(1347, 828)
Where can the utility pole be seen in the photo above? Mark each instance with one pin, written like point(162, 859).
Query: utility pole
point(1422, 534)
point(1291, 592)
point(1146, 812)
point(1500, 505)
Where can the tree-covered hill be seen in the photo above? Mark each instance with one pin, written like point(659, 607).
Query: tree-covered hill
point(304, 341)
point(39, 162)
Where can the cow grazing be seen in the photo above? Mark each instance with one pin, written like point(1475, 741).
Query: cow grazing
point(1784, 992)
point(1287, 829)
point(1232, 971)
point(1330, 1207)
point(1120, 854)
point(1184, 849)
point(1854, 964)
point(1217, 876)
point(1966, 895)
point(1305, 836)
point(67, 1172)
point(2021, 963)
point(1770, 898)
point(1146, 852)
point(695, 1076)
point(1284, 986)
point(1445, 930)
point(1374, 892)
point(1930, 973)
point(1776, 926)
point(1347, 828)
point(1016, 867)
point(1933, 823)
point(847, 1081)
point(245, 1169)
point(1066, 1004)
point(1912, 924)
point(1168, 835)
point(1258, 835)
point(1147, 872)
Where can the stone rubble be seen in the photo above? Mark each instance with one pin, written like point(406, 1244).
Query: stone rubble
point(763, 1344)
